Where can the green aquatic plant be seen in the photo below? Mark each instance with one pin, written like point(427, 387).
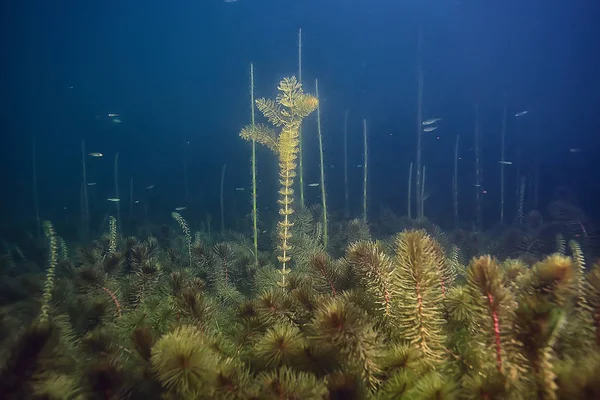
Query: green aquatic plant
point(52, 262)
point(112, 229)
point(419, 281)
point(183, 362)
point(254, 199)
point(287, 111)
point(322, 165)
point(186, 231)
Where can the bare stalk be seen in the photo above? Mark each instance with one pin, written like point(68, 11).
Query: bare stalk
point(455, 182)
point(118, 203)
point(36, 203)
point(300, 168)
point(409, 190)
point(477, 170)
point(346, 196)
point(86, 209)
point(422, 211)
point(365, 168)
point(419, 119)
point(323, 191)
point(254, 199)
point(502, 155)
point(223, 199)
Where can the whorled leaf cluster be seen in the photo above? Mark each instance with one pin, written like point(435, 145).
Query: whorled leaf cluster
point(399, 318)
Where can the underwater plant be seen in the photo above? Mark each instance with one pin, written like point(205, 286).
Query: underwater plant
point(321, 163)
point(287, 111)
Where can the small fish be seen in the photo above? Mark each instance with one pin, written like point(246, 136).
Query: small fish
point(521, 113)
point(240, 189)
point(505, 162)
point(575, 150)
point(95, 154)
point(313, 184)
point(359, 166)
point(430, 121)
point(137, 202)
point(476, 185)
point(150, 187)
point(430, 128)
point(180, 208)
point(91, 183)
point(113, 115)
point(113, 200)
point(116, 120)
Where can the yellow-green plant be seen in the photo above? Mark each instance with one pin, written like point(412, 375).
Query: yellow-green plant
point(285, 112)
point(254, 212)
point(419, 279)
point(323, 192)
point(301, 168)
point(365, 170)
point(186, 231)
point(52, 261)
point(112, 227)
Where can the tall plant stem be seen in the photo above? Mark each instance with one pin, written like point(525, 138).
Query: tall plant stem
point(410, 168)
point(477, 170)
point(323, 192)
point(186, 191)
point(419, 118)
point(36, 203)
point(346, 195)
point(300, 168)
point(86, 209)
point(365, 170)
point(118, 203)
point(423, 194)
point(455, 182)
point(223, 198)
point(502, 157)
point(131, 199)
point(254, 200)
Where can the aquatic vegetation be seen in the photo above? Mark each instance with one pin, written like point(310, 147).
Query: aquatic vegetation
point(286, 112)
point(400, 317)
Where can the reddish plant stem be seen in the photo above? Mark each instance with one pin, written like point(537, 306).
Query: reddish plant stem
point(114, 299)
point(322, 271)
point(496, 332)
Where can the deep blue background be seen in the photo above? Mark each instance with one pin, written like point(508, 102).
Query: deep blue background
point(178, 71)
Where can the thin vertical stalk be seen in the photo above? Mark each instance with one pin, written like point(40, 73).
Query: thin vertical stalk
point(477, 170)
point(300, 167)
point(118, 203)
point(536, 168)
point(186, 192)
point(36, 203)
point(346, 195)
point(502, 158)
point(131, 198)
point(223, 199)
point(365, 170)
point(323, 192)
point(86, 209)
point(521, 199)
point(254, 199)
point(410, 169)
point(419, 118)
point(455, 182)
point(423, 194)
